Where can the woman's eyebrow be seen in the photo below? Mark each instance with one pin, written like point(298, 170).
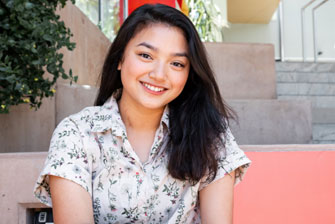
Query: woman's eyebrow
point(148, 46)
point(182, 54)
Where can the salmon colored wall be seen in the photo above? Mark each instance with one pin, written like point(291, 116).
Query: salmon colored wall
point(280, 187)
point(287, 188)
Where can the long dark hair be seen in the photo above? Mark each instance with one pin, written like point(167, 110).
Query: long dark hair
point(198, 116)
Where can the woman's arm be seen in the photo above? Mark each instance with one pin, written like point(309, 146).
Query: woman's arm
point(216, 201)
point(70, 202)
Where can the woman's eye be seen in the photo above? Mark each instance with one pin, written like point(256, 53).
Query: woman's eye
point(146, 56)
point(177, 64)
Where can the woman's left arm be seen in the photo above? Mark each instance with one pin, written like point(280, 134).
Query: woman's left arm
point(216, 201)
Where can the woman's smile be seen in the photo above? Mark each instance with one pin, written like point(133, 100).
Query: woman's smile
point(153, 89)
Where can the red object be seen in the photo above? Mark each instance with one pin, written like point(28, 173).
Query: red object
point(296, 187)
point(133, 4)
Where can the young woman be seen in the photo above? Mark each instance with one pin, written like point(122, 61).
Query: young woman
point(156, 148)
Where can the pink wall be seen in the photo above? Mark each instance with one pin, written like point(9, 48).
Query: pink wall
point(292, 187)
point(282, 186)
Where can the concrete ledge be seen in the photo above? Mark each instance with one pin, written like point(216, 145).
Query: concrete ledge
point(287, 148)
point(323, 115)
point(324, 132)
point(19, 171)
point(304, 67)
point(309, 89)
point(71, 99)
point(292, 77)
point(27, 130)
point(241, 69)
point(317, 101)
point(272, 121)
point(261, 121)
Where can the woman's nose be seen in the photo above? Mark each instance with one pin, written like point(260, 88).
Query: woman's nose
point(159, 72)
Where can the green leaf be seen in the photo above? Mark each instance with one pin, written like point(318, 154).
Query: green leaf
point(4, 69)
point(47, 37)
point(29, 5)
point(64, 76)
point(36, 62)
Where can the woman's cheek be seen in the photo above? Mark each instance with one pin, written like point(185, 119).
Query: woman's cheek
point(180, 79)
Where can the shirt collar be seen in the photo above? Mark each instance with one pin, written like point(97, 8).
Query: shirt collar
point(108, 117)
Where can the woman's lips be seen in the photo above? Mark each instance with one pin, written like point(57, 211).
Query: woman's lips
point(153, 88)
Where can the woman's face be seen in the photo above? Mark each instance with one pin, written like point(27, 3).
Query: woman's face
point(155, 67)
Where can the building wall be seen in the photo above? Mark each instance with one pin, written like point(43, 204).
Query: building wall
point(325, 30)
point(292, 43)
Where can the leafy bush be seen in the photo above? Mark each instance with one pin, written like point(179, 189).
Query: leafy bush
point(207, 19)
point(30, 36)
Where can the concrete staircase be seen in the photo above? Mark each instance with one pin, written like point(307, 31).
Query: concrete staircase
point(314, 82)
point(245, 74)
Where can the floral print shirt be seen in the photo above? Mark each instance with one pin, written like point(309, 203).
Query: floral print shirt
point(91, 149)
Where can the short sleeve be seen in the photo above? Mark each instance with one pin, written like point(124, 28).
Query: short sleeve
point(67, 159)
point(230, 159)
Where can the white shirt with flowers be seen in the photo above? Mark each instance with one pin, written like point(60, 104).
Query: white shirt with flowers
point(91, 149)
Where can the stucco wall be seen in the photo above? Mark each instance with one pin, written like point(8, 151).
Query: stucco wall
point(91, 46)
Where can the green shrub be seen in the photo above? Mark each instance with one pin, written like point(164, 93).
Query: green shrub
point(207, 19)
point(30, 36)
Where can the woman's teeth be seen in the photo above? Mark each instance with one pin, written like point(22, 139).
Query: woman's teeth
point(153, 88)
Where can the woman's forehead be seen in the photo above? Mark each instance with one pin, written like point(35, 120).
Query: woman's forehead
point(161, 36)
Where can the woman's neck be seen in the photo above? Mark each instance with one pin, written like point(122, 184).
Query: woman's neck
point(139, 118)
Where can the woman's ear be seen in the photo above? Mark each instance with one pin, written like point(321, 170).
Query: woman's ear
point(119, 66)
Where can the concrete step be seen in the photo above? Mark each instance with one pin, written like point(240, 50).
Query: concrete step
point(324, 132)
point(323, 142)
point(308, 77)
point(306, 89)
point(241, 68)
point(305, 67)
point(272, 121)
point(27, 130)
point(323, 115)
point(317, 101)
point(72, 99)
point(267, 121)
point(260, 121)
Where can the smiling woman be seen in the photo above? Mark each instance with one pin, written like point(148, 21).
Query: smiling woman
point(157, 147)
point(154, 68)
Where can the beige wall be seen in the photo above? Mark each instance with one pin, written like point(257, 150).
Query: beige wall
point(91, 46)
point(26, 130)
point(19, 172)
point(244, 71)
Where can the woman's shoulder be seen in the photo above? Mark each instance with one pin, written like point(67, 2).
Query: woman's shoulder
point(85, 116)
point(95, 118)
